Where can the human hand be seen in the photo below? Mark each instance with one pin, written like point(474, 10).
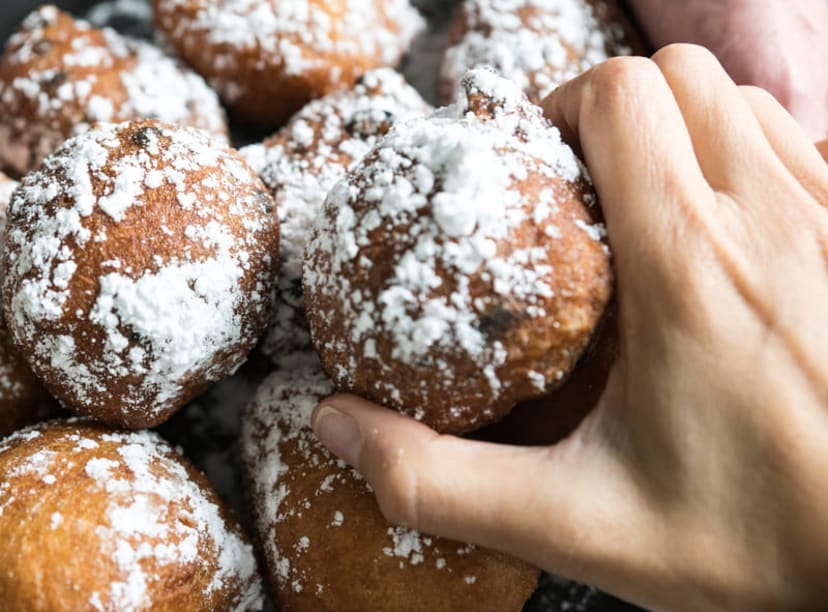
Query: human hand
point(698, 481)
point(776, 44)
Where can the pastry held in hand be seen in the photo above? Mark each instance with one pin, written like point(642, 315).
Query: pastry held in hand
point(303, 161)
point(268, 58)
point(58, 76)
point(95, 519)
point(139, 268)
point(461, 267)
point(325, 540)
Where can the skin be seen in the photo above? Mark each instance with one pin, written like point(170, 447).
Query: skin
point(779, 45)
point(698, 481)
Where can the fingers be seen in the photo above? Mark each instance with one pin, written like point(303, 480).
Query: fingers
point(793, 147)
point(640, 156)
point(558, 508)
point(727, 138)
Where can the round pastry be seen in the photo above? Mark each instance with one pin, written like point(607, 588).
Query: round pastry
point(538, 44)
point(461, 266)
point(58, 76)
point(300, 165)
point(309, 509)
point(268, 58)
point(23, 400)
point(139, 269)
point(94, 519)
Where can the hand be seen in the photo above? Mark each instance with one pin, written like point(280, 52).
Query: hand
point(780, 45)
point(699, 480)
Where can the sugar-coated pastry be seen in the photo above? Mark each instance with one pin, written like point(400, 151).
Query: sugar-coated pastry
point(460, 268)
point(325, 540)
point(139, 268)
point(268, 58)
point(538, 44)
point(23, 400)
point(95, 519)
point(303, 161)
point(59, 75)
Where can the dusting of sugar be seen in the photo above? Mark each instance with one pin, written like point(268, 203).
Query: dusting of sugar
point(156, 516)
point(537, 44)
point(289, 38)
point(423, 309)
point(102, 77)
point(303, 162)
point(145, 316)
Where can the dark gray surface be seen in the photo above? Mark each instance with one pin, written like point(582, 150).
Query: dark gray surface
point(207, 430)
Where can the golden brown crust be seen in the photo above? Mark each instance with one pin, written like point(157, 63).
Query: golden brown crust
point(538, 44)
point(138, 270)
point(58, 76)
point(93, 519)
point(460, 269)
point(327, 544)
point(268, 58)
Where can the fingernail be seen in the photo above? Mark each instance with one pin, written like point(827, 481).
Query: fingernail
point(339, 432)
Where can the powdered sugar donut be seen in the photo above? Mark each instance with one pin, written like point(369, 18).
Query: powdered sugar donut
point(94, 519)
point(459, 268)
point(268, 58)
point(303, 161)
point(59, 75)
point(139, 268)
point(538, 44)
point(23, 400)
point(311, 509)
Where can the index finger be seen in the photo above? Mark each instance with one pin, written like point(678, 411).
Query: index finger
point(625, 119)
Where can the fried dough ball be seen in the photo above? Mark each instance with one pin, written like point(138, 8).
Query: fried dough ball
point(139, 269)
point(300, 165)
point(538, 44)
point(326, 542)
point(268, 58)
point(94, 519)
point(460, 268)
point(23, 400)
point(59, 75)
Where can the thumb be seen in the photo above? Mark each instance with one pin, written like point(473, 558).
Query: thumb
point(556, 507)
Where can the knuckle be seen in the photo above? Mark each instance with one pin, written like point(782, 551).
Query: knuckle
point(685, 55)
point(614, 81)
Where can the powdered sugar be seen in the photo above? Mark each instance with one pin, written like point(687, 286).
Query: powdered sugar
point(291, 38)
point(281, 451)
point(301, 164)
point(215, 269)
point(157, 516)
point(443, 193)
point(538, 44)
point(61, 75)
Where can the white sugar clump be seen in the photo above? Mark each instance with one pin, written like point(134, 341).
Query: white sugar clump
point(301, 164)
point(537, 44)
point(166, 320)
point(155, 517)
point(445, 191)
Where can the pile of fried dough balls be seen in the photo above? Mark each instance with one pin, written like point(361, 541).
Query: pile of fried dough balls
point(448, 264)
